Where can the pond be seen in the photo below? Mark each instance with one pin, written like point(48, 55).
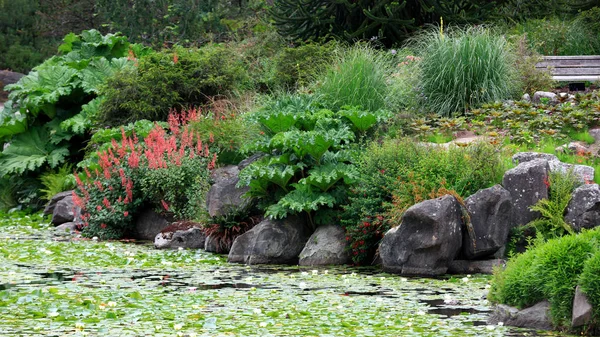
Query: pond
point(59, 286)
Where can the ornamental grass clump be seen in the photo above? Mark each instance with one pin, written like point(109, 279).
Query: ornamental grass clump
point(463, 68)
point(169, 171)
point(358, 77)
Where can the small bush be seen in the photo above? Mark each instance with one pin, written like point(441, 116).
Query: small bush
point(590, 282)
point(296, 67)
point(464, 68)
point(557, 36)
point(552, 224)
point(548, 270)
point(176, 78)
point(400, 173)
point(531, 78)
point(357, 77)
point(167, 171)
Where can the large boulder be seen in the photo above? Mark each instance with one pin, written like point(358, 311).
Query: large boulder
point(582, 309)
point(326, 246)
point(224, 197)
point(489, 212)
point(49, 209)
point(148, 224)
point(65, 211)
point(583, 210)
point(583, 173)
point(538, 95)
point(181, 235)
point(271, 242)
point(527, 184)
point(426, 241)
point(535, 317)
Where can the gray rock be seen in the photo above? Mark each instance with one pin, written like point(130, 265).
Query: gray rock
point(582, 172)
point(64, 211)
point(49, 209)
point(148, 224)
point(9, 77)
point(66, 228)
point(271, 242)
point(490, 213)
point(244, 163)
point(193, 238)
point(526, 98)
point(327, 246)
point(224, 197)
point(475, 267)
point(535, 317)
point(526, 184)
point(538, 95)
point(523, 157)
point(582, 309)
point(583, 210)
point(426, 241)
point(595, 133)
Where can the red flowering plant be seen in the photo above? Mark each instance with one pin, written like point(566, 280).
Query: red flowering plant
point(169, 170)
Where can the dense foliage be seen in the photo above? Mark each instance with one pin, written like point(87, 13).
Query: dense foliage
point(175, 78)
point(308, 162)
point(463, 68)
point(549, 270)
point(53, 106)
point(168, 171)
point(400, 173)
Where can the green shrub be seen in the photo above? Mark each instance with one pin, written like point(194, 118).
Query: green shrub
point(530, 78)
point(172, 79)
point(590, 282)
point(296, 66)
point(167, 171)
point(57, 181)
point(400, 173)
point(51, 109)
point(557, 36)
point(552, 224)
point(548, 270)
point(308, 165)
point(464, 68)
point(357, 77)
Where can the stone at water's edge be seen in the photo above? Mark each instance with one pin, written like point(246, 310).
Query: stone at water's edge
point(224, 197)
point(426, 241)
point(49, 209)
point(213, 244)
point(271, 242)
point(527, 184)
point(463, 267)
point(148, 224)
point(582, 309)
point(535, 317)
point(327, 246)
point(65, 211)
point(192, 238)
point(490, 213)
point(583, 210)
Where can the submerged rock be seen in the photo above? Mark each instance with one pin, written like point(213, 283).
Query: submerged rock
point(327, 246)
point(271, 242)
point(426, 241)
point(475, 267)
point(181, 235)
point(535, 317)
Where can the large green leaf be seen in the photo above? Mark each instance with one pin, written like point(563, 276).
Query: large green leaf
point(81, 122)
point(325, 176)
point(278, 122)
point(11, 122)
point(99, 70)
point(29, 151)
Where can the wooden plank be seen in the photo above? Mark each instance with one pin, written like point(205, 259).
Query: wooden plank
point(576, 71)
point(564, 78)
point(569, 63)
point(575, 57)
